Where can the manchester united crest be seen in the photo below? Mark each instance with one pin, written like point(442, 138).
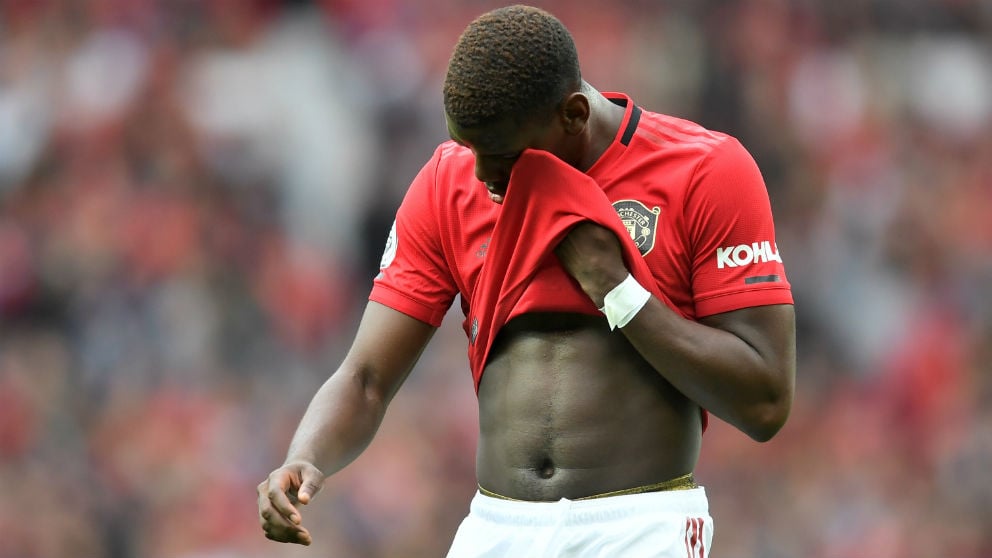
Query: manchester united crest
point(641, 222)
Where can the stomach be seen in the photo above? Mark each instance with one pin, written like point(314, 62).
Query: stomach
point(569, 409)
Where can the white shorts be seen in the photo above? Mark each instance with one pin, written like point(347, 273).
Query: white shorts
point(669, 524)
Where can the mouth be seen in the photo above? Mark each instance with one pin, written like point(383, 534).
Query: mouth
point(496, 192)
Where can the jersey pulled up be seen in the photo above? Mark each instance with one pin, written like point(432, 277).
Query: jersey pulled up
point(693, 201)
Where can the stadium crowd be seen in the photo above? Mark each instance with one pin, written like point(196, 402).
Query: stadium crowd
point(194, 196)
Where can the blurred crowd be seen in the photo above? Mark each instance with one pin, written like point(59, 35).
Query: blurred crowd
point(194, 196)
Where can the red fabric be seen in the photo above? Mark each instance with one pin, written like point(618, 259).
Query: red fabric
point(685, 193)
point(545, 199)
point(694, 192)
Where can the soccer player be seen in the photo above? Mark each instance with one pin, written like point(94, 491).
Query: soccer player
point(620, 282)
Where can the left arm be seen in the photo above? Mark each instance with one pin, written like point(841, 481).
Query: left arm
point(739, 365)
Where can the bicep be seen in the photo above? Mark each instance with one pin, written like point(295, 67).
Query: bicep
point(385, 349)
point(770, 330)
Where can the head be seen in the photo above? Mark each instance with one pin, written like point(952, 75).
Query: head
point(513, 82)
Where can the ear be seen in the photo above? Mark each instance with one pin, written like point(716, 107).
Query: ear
point(575, 113)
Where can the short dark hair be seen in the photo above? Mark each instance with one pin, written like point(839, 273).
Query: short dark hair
point(514, 62)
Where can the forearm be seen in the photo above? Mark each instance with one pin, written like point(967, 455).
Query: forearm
point(738, 365)
point(738, 377)
point(339, 423)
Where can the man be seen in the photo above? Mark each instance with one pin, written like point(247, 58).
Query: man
point(595, 370)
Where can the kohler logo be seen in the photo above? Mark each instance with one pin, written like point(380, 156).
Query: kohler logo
point(746, 254)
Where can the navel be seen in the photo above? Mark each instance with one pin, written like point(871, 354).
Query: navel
point(546, 469)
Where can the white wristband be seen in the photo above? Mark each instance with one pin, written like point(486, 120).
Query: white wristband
point(624, 302)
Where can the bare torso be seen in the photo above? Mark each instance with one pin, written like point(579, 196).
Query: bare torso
point(569, 409)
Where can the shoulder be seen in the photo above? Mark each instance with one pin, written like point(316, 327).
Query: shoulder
point(448, 158)
point(452, 158)
point(454, 174)
point(671, 132)
point(447, 189)
point(695, 146)
point(450, 168)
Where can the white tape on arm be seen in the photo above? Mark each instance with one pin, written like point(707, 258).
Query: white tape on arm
point(624, 302)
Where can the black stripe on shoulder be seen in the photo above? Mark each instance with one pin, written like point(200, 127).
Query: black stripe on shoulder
point(628, 133)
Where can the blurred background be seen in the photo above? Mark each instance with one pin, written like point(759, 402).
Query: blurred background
point(194, 196)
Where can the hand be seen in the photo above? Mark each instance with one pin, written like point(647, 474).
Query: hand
point(278, 496)
point(591, 254)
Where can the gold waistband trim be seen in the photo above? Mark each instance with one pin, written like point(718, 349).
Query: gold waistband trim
point(685, 482)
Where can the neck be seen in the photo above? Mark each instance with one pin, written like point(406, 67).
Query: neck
point(604, 123)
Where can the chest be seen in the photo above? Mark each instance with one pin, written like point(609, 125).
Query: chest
point(650, 210)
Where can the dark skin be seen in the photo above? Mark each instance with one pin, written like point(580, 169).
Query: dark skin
point(567, 408)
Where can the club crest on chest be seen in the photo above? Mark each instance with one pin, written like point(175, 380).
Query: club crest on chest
point(641, 222)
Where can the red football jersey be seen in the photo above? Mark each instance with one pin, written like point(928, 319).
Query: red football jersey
point(693, 200)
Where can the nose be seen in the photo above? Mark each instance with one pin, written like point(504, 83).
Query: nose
point(490, 172)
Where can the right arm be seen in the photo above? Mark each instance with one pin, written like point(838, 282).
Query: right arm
point(342, 417)
point(409, 299)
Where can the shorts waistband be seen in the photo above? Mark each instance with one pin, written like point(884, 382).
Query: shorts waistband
point(684, 482)
point(682, 503)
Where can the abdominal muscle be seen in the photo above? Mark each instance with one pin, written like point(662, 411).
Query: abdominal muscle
point(568, 409)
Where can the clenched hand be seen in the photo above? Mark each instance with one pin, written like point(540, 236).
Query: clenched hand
point(591, 254)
